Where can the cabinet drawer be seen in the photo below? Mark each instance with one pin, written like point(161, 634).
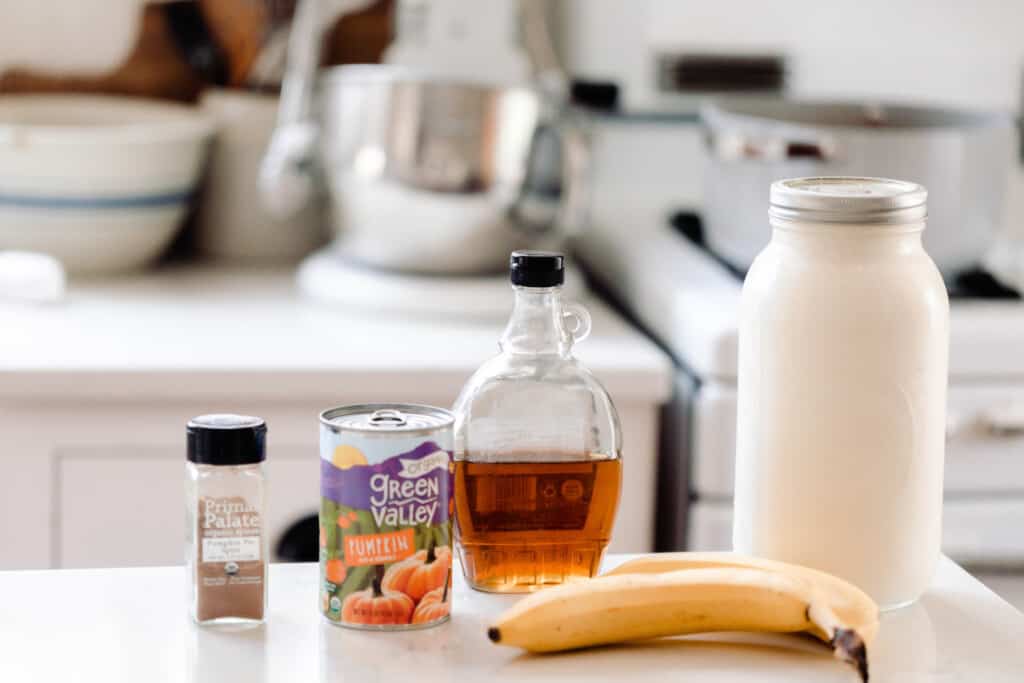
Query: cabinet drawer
point(122, 506)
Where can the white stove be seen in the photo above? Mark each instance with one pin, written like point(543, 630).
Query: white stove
point(689, 303)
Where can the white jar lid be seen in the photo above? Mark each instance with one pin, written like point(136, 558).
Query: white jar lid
point(844, 199)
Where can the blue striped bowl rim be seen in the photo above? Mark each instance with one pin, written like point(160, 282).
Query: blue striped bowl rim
point(171, 198)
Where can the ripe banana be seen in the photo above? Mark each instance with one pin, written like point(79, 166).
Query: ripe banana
point(852, 605)
point(612, 609)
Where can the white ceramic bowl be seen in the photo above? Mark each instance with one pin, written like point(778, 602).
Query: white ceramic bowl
point(101, 183)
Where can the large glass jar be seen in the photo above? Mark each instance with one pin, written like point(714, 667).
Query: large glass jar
point(537, 446)
point(843, 351)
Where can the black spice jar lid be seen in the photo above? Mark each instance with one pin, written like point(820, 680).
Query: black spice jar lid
point(537, 268)
point(224, 439)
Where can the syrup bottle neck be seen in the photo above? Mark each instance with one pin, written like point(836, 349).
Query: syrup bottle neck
point(536, 325)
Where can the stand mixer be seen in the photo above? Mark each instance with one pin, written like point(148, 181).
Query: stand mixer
point(437, 165)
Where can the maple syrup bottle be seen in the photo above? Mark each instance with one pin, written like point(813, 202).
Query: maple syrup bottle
point(537, 446)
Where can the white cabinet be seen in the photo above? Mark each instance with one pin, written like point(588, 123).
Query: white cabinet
point(95, 395)
point(113, 504)
point(103, 485)
point(121, 507)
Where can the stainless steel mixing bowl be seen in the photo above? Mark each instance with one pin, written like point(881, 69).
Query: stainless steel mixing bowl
point(425, 175)
point(440, 177)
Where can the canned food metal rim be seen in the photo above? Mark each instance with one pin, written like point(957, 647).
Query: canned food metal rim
point(387, 418)
point(848, 199)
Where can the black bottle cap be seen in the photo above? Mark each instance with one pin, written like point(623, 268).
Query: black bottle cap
point(600, 95)
point(227, 440)
point(537, 268)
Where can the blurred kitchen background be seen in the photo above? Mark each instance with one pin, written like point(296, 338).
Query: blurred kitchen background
point(201, 211)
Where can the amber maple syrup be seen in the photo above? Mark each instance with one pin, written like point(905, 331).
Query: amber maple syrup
point(526, 524)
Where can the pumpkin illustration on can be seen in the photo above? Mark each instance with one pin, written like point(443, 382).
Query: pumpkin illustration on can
point(425, 571)
point(434, 606)
point(376, 606)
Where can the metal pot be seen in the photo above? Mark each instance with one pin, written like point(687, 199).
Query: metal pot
point(963, 158)
point(424, 175)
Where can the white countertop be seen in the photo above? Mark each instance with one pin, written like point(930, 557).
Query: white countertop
point(130, 625)
point(230, 332)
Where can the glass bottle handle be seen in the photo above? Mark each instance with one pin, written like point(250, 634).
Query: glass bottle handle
point(580, 328)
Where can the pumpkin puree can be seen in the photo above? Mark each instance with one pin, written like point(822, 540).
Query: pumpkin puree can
point(386, 482)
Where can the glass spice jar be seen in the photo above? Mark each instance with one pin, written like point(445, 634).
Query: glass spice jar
point(226, 542)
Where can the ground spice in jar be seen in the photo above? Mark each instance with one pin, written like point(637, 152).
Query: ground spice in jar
point(226, 545)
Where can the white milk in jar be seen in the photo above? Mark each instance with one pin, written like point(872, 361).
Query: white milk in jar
point(844, 343)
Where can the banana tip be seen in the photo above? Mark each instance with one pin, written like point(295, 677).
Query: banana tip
point(850, 648)
point(494, 634)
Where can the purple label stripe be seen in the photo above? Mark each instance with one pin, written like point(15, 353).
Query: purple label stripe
point(353, 487)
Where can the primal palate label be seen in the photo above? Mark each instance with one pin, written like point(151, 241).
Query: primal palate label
point(243, 549)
